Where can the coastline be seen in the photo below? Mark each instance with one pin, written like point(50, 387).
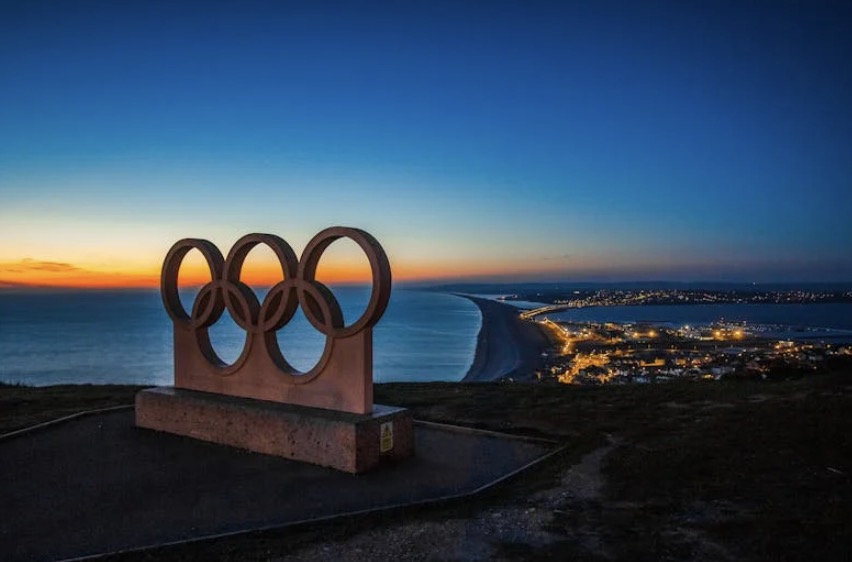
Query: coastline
point(506, 346)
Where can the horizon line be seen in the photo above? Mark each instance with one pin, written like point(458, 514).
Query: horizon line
point(12, 287)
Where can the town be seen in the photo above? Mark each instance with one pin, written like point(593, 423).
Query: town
point(579, 298)
point(616, 353)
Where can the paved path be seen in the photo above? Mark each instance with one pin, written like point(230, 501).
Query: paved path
point(98, 484)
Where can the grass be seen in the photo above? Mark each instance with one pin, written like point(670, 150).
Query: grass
point(740, 470)
point(24, 406)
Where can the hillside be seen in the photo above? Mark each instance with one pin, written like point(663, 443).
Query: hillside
point(731, 470)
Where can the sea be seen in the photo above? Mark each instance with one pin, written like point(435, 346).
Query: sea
point(125, 337)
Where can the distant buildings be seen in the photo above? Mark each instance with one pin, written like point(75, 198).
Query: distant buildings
point(613, 353)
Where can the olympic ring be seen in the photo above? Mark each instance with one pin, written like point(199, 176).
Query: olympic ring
point(298, 288)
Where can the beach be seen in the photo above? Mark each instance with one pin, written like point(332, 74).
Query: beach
point(506, 347)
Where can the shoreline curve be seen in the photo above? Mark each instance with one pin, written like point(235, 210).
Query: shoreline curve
point(506, 346)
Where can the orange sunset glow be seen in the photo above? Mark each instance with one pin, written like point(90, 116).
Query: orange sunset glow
point(342, 263)
point(46, 274)
point(28, 273)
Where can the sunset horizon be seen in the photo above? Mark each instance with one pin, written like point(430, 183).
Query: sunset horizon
point(519, 141)
point(33, 275)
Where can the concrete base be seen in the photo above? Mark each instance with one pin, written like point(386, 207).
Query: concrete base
point(340, 440)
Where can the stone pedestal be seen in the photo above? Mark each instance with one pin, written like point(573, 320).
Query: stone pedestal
point(340, 440)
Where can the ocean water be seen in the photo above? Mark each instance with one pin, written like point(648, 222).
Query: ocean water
point(125, 337)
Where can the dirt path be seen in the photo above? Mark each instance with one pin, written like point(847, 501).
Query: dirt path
point(494, 534)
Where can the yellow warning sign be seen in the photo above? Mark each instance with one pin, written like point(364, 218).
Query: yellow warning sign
point(386, 441)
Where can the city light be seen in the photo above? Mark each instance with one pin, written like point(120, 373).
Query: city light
point(606, 353)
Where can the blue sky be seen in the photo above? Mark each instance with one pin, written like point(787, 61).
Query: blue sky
point(484, 140)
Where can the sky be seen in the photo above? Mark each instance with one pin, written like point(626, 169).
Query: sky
point(483, 141)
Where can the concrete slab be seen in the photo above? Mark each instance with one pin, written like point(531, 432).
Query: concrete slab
point(97, 484)
point(341, 440)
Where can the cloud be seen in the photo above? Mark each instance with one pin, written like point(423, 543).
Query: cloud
point(5, 284)
point(29, 264)
point(51, 266)
point(33, 273)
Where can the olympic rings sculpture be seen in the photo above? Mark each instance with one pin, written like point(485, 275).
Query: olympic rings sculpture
point(261, 321)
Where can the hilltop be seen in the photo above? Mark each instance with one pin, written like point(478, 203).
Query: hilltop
point(726, 470)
